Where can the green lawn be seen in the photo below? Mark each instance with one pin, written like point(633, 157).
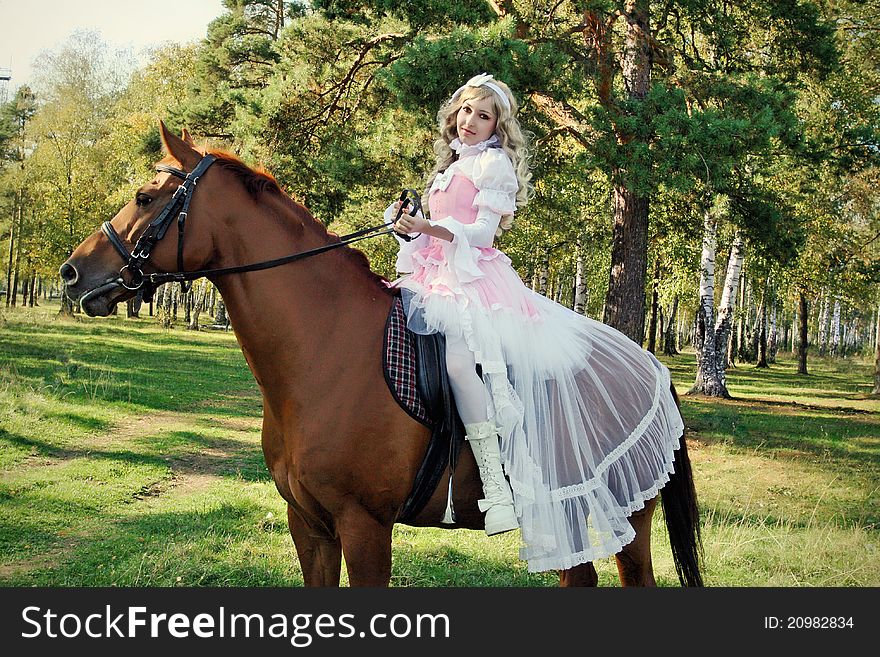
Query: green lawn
point(129, 456)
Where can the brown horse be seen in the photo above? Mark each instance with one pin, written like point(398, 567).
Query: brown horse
point(342, 452)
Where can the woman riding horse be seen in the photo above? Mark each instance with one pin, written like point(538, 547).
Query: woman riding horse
point(340, 449)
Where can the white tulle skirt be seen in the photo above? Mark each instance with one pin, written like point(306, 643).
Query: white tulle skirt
point(587, 422)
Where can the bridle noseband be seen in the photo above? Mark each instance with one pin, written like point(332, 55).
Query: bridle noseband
point(179, 205)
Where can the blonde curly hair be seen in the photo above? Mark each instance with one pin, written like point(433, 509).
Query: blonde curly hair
point(512, 138)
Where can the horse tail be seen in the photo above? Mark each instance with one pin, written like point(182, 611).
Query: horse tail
point(682, 515)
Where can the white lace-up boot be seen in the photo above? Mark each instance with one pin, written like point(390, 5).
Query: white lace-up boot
point(498, 503)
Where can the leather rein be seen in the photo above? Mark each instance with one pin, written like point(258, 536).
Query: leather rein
point(179, 206)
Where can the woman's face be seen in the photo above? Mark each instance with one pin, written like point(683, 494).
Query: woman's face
point(476, 120)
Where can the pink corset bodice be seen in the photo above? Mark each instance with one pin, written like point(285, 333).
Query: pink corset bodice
point(456, 200)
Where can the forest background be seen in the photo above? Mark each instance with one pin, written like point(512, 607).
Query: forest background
point(666, 136)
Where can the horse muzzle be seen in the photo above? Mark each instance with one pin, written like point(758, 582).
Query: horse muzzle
point(96, 301)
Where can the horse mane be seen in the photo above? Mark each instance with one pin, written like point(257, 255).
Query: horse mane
point(258, 181)
point(255, 180)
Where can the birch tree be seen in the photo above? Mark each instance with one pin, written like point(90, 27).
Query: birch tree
point(581, 290)
point(728, 301)
point(772, 333)
point(822, 324)
point(709, 380)
point(761, 332)
point(834, 348)
point(876, 390)
point(198, 304)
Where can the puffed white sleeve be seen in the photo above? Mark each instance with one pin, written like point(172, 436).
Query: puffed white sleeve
point(495, 180)
point(406, 249)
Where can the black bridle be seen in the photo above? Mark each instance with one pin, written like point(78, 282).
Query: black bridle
point(179, 205)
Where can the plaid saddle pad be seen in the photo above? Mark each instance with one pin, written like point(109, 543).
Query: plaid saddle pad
point(401, 363)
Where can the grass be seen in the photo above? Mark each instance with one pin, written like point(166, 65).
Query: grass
point(130, 456)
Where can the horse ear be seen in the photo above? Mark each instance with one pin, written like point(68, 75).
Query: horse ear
point(177, 147)
point(187, 138)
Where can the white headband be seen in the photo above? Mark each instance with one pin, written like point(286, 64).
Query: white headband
point(483, 80)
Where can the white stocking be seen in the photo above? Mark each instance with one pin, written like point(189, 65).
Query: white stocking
point(467, 386)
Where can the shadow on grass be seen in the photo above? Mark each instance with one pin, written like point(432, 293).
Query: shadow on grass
point(796, 406)
point(226, 547)
point(756, 424)
point(451, 567)
point(142, 368)
point(155, 549)
point(772, 519)
point(226, 457)
point(86, 422)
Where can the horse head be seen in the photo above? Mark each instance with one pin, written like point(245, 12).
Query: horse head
point(97, 273)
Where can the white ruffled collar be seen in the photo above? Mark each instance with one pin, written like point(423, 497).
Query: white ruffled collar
point(463, 150)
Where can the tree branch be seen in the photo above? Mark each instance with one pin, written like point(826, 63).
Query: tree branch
point(567, 118)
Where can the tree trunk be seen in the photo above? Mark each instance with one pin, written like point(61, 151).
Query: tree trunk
point(710, 379)
point(876, 390)
point(761, 334)
point(14, 288)
point(728, 301)
point(581, 291)
point(625, 302)
point(542, 274)
point(755, 336)
point(25, 286)
point(803, 317)
point(164, 303)
point(772, 334)
point(67, 306)
point(221, 318)
point(747, 347)
point(670, 347)
point(741, 322)
point(835, 329)
point(33, 289)
point(661, 324)
point(15, 268)
point(187, 306)
point(197, 306)
point(133, 306)
point(822, 338)
point(652, 325)
point(559, 285)
point(9, 289)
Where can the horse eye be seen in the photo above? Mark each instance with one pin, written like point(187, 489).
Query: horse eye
point(142, 199)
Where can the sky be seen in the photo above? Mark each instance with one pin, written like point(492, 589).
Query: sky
point(28, 27)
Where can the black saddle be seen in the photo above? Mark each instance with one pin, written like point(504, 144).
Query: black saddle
point(434, 407)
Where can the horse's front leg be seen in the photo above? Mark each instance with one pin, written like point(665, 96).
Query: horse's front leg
point(318, 549)
point(366, 546)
